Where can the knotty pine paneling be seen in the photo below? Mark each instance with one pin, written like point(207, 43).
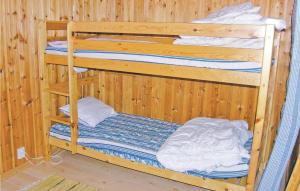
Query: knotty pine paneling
point(176, 100)
point(164, 98)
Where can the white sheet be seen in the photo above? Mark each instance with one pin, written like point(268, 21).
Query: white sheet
point(205, 144)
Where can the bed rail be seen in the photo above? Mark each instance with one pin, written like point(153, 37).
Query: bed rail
point(253, 55)
point(211, 30)
point(56, 25)
point(215, 30)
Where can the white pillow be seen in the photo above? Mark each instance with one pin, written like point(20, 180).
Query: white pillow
point(91, 111)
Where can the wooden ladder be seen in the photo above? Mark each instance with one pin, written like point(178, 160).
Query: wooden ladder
point(68, 89)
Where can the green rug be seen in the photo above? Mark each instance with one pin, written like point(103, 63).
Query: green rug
point(58, 183)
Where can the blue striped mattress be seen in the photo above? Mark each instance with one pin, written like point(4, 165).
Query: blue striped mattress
point(135, 138)
point(233, 65)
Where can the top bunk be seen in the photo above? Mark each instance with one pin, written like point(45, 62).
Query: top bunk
point(112, 42)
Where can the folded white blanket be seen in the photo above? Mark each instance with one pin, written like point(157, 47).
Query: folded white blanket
point(205, 144)
point(244, 13)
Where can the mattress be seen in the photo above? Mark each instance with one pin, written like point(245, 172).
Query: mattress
point(138, 139)
point(161, 59)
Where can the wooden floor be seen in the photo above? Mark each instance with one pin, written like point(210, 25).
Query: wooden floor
point(59, 183)
point(104, 176)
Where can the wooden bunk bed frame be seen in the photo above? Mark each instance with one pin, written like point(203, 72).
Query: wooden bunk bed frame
point(259, 80)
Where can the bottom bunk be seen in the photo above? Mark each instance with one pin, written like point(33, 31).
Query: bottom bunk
point(136, 139)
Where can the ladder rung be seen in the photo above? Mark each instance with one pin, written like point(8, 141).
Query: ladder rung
point(62, 87)
point(60, 119)
point(59, 88)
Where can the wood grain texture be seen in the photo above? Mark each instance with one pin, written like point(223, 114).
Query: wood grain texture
point(213, 184)
point(261, 108)
point(251, 55)
point(294, 181)
point(147, 28)
point(88, 170)
point(145, 95)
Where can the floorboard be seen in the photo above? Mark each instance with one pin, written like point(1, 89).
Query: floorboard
point(101, 175)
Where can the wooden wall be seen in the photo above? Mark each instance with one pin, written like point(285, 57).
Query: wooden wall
point(20, 98)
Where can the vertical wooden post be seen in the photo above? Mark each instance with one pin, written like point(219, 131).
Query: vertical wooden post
point(7, 58)
point(294, 182)
point(1, 74)
point(72, 89)
point(45, 96)
point(269, 122)
point(261, 108)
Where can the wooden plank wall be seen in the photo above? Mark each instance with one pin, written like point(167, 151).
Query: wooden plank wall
point(160, 98)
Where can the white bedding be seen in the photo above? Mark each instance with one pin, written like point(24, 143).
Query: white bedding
point(256, 43)
point(245, 13)
point(91, 111)
point(205, 144)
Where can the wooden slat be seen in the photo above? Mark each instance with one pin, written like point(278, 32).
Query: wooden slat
point(213, 184)
point(83, 187)
point(59, 89)
point(56, 25)
point(166, 40)
point(62, 88)
point(7, 125)
point(261, 108)
point(44, 76)
point(47, 185)
point(172, 50)
point(56, 59)
point(212, 30)
point(271, 107)
point(60, 119)
point(66, 185)
point(294, 181)
point(60, 143)
point(73, 90)
point(225, 76)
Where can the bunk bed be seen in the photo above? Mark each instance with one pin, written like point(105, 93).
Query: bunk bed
point(154, 39)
